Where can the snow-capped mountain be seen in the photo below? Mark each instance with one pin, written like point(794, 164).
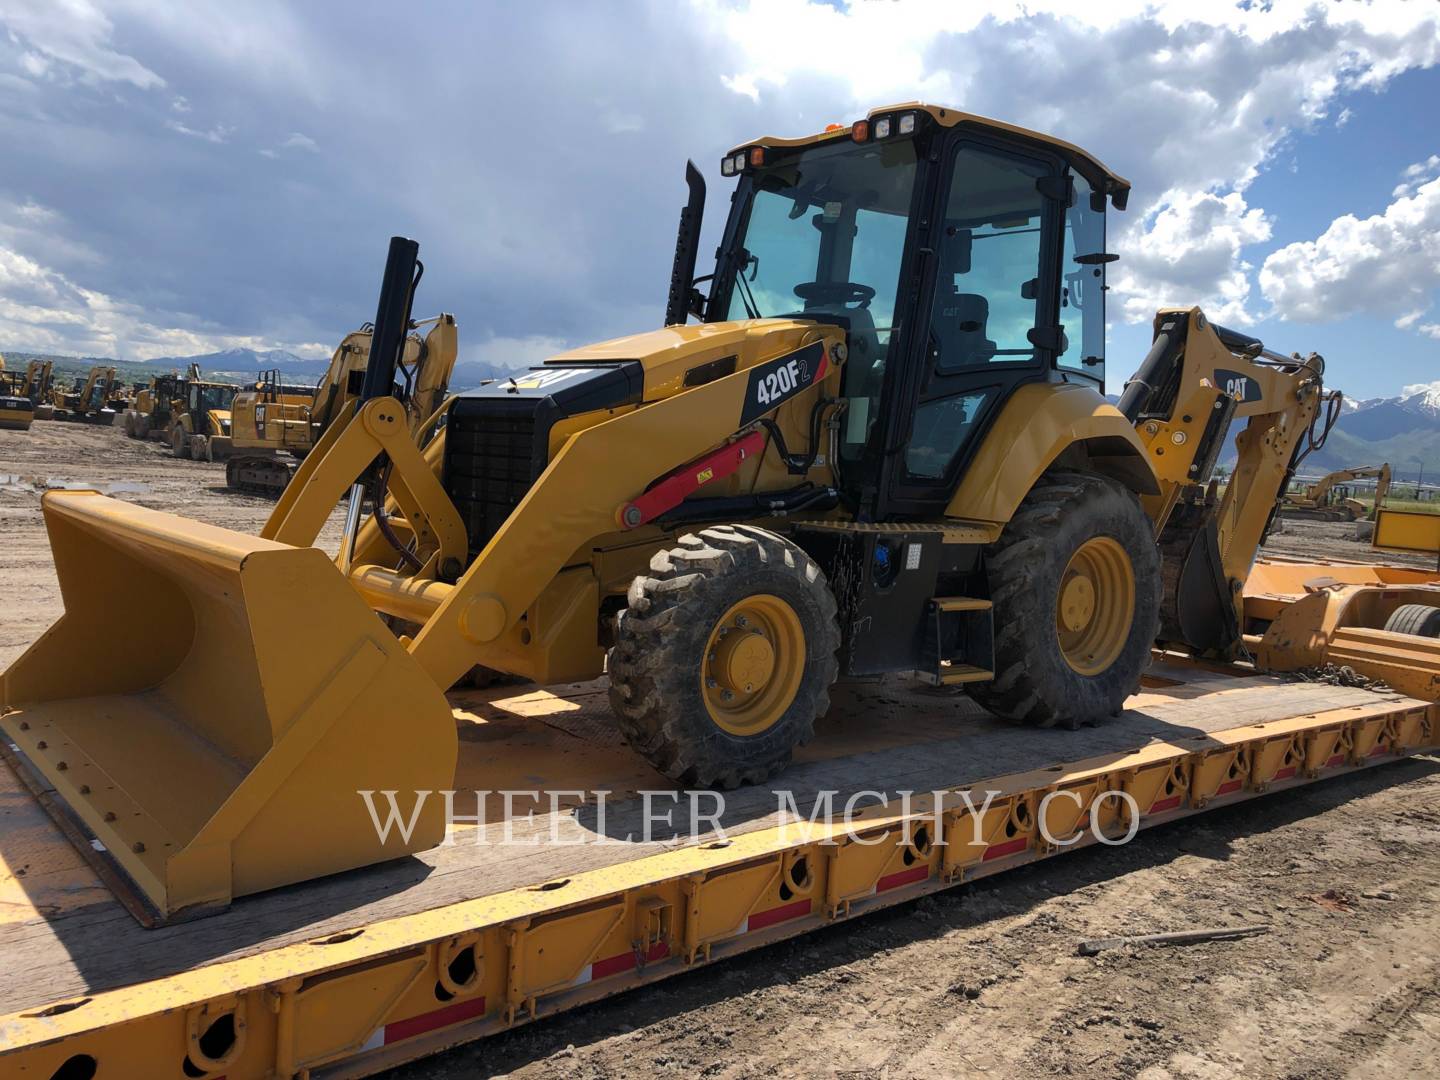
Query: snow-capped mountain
point(1419, 399)
point(239, 359)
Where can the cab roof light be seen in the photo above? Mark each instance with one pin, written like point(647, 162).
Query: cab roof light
point(882, 128)
point(907, 123)
point(757, 156)
point(860, 131)
point(727, 166)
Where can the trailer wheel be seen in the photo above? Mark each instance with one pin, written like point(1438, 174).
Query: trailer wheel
point(724, 657)
point(1422, 620)
point(1075, 583)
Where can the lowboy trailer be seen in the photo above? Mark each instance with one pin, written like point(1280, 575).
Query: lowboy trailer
point(348, 975)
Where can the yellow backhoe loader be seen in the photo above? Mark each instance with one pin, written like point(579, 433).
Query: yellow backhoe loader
point(1324, 501)
point(275, 418)
point(883, 447)
point(98, 396)
point(200, 420)
point(152, 413)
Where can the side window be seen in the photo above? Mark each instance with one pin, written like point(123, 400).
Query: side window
point(987, 289)
point(942, 426)
point(1082, 284)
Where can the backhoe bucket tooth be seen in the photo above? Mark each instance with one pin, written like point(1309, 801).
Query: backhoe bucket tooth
point(211, 705)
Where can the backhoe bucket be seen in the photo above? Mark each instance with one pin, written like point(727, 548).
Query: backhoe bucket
point(212, 704)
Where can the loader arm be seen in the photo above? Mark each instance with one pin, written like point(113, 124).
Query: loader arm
point(1197, 379)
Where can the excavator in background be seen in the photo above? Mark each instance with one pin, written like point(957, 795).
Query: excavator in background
point(37, 388)
point(882, 447)
point(1323, 501)
point(274, 418)
point(98, 396)
point(200, 419)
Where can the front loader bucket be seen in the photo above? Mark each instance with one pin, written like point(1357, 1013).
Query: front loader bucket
point(211, 704)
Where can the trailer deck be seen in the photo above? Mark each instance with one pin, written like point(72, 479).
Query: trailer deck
point(354, 973)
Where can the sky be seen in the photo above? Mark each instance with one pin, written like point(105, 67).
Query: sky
point(180, 178)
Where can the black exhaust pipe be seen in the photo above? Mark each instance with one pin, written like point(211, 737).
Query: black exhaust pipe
point(687, 246)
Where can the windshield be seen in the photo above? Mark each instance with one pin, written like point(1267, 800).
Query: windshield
point(216, 397)
point(825, 232)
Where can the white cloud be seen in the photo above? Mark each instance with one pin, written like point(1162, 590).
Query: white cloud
point(1191, 100)
point(218, 134)
point(75, 33)
point(299, 141)
point(1415, 175)
point(1186, 250)
point(1430, 330)
point(1388, 263)
point(43, 310)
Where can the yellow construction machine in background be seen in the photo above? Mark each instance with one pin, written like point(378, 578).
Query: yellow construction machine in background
point(200, 420)
point(1324, 500)
point(152, 414)
point(98, 396)
point(16, 408)
point(883, 447)
point(274, 418)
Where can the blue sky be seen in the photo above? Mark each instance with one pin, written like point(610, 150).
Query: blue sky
point(186, 177)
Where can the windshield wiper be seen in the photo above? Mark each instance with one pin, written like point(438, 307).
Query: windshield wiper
point(746, 297)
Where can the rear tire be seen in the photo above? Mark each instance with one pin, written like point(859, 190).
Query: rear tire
point(696, 624)
point(1053, 666)
point(179, 443)
point(1422, 620)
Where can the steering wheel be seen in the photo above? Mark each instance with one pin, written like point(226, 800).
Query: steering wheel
point(833, 292)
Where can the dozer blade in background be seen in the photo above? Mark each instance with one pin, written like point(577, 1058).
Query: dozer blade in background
point(210, 704)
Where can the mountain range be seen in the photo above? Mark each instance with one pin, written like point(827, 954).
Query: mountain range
point(246, 362)
point(1403, 430)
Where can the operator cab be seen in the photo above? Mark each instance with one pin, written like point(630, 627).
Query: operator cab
point(964, 256)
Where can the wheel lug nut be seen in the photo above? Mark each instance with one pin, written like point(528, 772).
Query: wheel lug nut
point(711, 683)
point(741, 621)
point(727, 695)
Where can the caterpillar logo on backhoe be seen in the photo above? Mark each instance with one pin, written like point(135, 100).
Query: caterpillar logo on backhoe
point(1240, 387)
point(777, 381)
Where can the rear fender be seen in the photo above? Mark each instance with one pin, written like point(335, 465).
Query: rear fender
point(1044, 425)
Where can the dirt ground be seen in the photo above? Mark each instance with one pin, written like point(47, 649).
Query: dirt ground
point(983, 979)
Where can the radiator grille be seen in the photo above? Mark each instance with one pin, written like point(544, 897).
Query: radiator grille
point(490, 462)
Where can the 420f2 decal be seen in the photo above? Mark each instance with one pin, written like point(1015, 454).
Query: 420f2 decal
point(777, 381)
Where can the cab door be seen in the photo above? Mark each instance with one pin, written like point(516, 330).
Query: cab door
point(988, 324)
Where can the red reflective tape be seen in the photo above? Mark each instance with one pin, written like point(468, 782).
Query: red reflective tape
point(1379, 749)
point(784, 913)
point(1165, 804)
point(1009, 847)
point(822, 369)
point(902, 877)
point(613, 965)
point(1233, 785)
point(672, 489)
point(419, 1025)
point(1338, 759)
point(1285, 773)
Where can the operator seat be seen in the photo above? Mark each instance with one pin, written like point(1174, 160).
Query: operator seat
point(961, 331)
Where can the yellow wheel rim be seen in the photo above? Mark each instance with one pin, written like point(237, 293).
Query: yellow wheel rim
point(1095, 605)
point(754, 661)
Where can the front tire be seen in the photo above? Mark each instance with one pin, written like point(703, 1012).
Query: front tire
point(1075, 583)
point(724, 658)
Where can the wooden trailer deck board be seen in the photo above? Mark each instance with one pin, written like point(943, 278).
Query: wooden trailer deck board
point(62, 933)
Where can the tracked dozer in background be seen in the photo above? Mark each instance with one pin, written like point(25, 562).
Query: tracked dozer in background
point(1325, 501)
point(275, 418)
point(883, 447)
